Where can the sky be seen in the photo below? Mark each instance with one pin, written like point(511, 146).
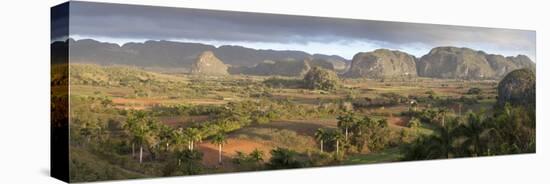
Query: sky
point(120, 24)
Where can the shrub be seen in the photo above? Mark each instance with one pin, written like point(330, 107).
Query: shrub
point(282, 158)
point(474, 91)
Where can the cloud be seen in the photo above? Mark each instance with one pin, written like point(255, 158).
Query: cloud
point(163, 23)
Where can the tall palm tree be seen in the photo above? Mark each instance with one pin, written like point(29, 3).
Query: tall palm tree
point(412, 105)
point(321, 135)
point(86, 131)
point(442, 113)
point(179, 138)
point(129, 127)
point(141, 130)
point(194, 136)
point(189, 161)
point(220, 140)
point(337, 137)
point(440, 146)
point(472, 131)
point(141, 136)
point(165, 136)
point(346, 121)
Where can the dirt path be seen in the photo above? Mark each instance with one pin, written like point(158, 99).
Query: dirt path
point(398, 121)
point(229, 150)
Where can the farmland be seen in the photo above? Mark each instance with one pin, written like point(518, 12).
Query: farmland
point(136, 123)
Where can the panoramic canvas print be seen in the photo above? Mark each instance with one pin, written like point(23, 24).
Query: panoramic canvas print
point(145, 91)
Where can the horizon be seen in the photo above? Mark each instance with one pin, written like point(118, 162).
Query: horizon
point(121, 42)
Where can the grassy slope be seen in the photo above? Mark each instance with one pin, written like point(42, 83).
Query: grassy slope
point(388, 155)
point(86, 166)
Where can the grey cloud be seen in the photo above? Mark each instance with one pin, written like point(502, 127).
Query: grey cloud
point(148, 22)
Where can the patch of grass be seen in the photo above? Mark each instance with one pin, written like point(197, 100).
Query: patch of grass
point(387, 155)
point(277, 138)
point(85, 166)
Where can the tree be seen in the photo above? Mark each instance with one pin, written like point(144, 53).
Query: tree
point(337, 137)
point(321, 136)
point(509, 130)
point(165, 136)
point(219, 139)
point(282, 158)
point(412, 105)
point(414, 123)
point(141, 136)
point(346, 121)
point(191, 161)
point(514, 130)
point(130, 126)
point(179, 139)
point(86, 131)
point(430, 147)
point(319, 78)
point(370, 133)
point(193, 135)
point(474, 91)
point(142, 131)
point(442, 114)
point(472, 131)
point(138, 126)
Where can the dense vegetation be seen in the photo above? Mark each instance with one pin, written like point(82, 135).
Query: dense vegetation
point(511, 130)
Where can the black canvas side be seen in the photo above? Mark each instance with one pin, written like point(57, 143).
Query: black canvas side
point(59, 94)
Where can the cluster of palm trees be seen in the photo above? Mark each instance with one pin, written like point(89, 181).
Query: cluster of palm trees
point(140, 130)
point(329, 135)
point(254, 159)
point(431, 115)
point(510, 130)
point(354, 131)
point(146, 132)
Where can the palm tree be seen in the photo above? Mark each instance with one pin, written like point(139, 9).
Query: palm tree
point(86, 131)
point(141, 135)
point(194, 135)
point(321, 135)
point(165, 136)
point(141, 130)
point(220, 140)
point(191, 161)
point(472, 131)
point(337, 137)
point(412, 105)
point(346, 121)
point(440, 146)
point(179, 138)
point(282, 158)
point(130, 126)
point(442, 113)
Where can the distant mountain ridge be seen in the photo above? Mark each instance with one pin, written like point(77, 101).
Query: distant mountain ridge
point(440, 62)
point(180, 54)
